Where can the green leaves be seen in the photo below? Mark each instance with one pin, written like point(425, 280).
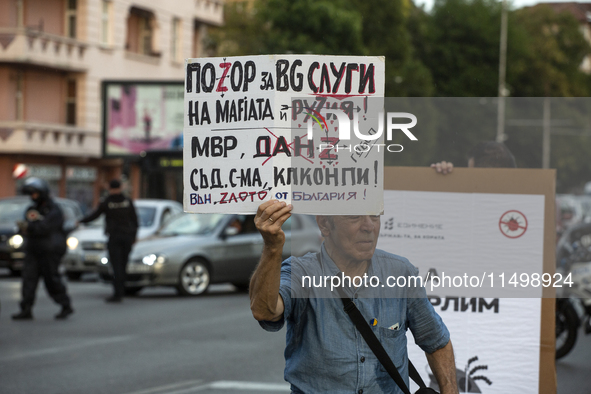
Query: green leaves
point(549, 64)
point(452, 51)
point(329, 27)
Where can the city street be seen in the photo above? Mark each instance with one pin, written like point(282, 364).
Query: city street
point(159, 343)
point(573, 370)
point(151, 344)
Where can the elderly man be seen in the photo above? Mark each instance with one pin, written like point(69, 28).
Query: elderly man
point(324, 351)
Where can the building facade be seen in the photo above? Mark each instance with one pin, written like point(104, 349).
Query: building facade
point(55, 56)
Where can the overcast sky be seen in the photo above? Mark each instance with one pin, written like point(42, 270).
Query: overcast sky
point(516, 3)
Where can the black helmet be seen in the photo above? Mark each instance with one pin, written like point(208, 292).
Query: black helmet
point(38, 185)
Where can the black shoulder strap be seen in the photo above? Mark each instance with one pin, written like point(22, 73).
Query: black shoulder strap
point(375, 345)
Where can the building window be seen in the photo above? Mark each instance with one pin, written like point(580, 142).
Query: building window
point(176, 40)
point(106, 22)
point(71, 18)
point(141, 32)
point(71, 102)
point(145, 36)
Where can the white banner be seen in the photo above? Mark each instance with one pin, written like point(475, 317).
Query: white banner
point(499, 352)
point(463, 235)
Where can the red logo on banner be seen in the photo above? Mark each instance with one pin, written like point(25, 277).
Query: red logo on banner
point(513, 224)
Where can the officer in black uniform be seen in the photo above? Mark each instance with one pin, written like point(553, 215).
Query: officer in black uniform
point(45, 246)
point(121, 226)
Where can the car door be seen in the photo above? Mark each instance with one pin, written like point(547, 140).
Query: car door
point(241, 251)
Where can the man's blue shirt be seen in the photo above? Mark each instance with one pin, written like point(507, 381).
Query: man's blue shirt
point(324, 351)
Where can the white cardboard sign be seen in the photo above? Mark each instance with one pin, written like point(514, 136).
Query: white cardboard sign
point(496, 340)
point(270, 127)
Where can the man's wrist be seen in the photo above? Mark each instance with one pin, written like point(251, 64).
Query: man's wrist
point(273, 250)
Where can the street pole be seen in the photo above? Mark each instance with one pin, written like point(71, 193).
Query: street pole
point(546, 134)
point(502, 72)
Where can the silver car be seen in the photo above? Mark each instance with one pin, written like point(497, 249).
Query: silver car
point(87, 246)
point(193, 251)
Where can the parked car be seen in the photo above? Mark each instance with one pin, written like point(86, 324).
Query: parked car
point(87, 246)
point(11, 243)
point(193, 251)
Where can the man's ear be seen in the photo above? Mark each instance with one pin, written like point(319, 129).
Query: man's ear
point(324, 225)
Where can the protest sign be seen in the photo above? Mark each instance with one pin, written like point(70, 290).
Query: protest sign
point(485, 220)
point(270, 127)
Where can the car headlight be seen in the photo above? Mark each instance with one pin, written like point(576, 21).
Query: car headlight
point(16, 241)
point(152, 259)
point(72, 243)
point(104, 261)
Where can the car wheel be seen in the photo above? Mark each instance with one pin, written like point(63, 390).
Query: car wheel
point(131, 291)
point(194, 278)
point(74, 275)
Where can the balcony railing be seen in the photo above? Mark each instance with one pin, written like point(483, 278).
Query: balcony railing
point(49, 139)
point(32, 46)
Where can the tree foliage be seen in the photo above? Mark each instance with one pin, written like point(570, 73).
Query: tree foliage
point(451, 51)
point(549, 65)
point(329, 27)
point(461, 47)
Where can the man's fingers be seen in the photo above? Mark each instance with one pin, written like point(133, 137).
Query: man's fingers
point(279, 217)
point(270, 217)
point(443, 167)
point(274, 212)
point(271, 212)
point(264, 206)
point(446, 167)
point(266, 209)
point(437, 166)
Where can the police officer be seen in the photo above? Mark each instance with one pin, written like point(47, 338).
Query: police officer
point(45, 246)
point(121, 226)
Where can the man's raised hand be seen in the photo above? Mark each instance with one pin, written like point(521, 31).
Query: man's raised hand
point(269, 218)
point(443, 167)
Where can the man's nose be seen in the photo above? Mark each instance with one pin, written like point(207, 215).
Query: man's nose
point(368, 224)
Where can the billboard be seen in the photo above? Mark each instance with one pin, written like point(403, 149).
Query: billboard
point(140, 116)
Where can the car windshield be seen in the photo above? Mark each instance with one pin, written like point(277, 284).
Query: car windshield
point(192, 224)
point(145, 216)
point(13, 210)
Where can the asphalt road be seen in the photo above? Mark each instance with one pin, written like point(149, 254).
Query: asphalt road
point(160, 343)
point(574, 370)
point(151, 344)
